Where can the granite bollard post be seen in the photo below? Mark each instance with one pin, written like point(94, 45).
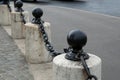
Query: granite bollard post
point(76, 64)
point(5, 15)
point(18, 25)
point(36, 51)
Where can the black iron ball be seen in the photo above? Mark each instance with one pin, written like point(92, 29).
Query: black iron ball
point(76, 39)
point(37, 12)
point(18, 3)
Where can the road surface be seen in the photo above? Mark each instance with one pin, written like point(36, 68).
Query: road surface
point(110, 7)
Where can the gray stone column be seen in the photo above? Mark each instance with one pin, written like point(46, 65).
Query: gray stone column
point(64, 69)
point(18, 27)
point(5, 15)
point(35, 50)
point(76, 64)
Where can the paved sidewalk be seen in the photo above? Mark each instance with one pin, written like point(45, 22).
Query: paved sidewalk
point(13, 66)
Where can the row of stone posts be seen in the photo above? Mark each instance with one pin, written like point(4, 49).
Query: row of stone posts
point(74, 64)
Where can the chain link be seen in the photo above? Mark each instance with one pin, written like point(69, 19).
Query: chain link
point(90, 76)
point(48, 45)
point(9, 8)
point(75, 55)
point(22, 16)
point(82, 57)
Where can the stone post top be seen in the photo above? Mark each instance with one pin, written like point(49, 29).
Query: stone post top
point(24, 12)
point(61, 61)
point(46, 24)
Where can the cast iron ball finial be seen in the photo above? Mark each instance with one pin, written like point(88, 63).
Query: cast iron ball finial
point(37, 13)
point(76, 39)
point(19, 4)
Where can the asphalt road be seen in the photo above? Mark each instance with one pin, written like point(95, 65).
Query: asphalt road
point(110, 7)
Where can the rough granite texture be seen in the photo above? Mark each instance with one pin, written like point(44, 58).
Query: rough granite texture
point(13, 65)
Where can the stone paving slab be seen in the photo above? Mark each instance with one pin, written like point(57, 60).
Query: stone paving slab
point(13, 65)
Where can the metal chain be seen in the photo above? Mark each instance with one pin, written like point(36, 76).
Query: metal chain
point(9, 7)
point(82, 57)
point(22, 16)
point(76, 55)
point(90, 76)
point(48, 45)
